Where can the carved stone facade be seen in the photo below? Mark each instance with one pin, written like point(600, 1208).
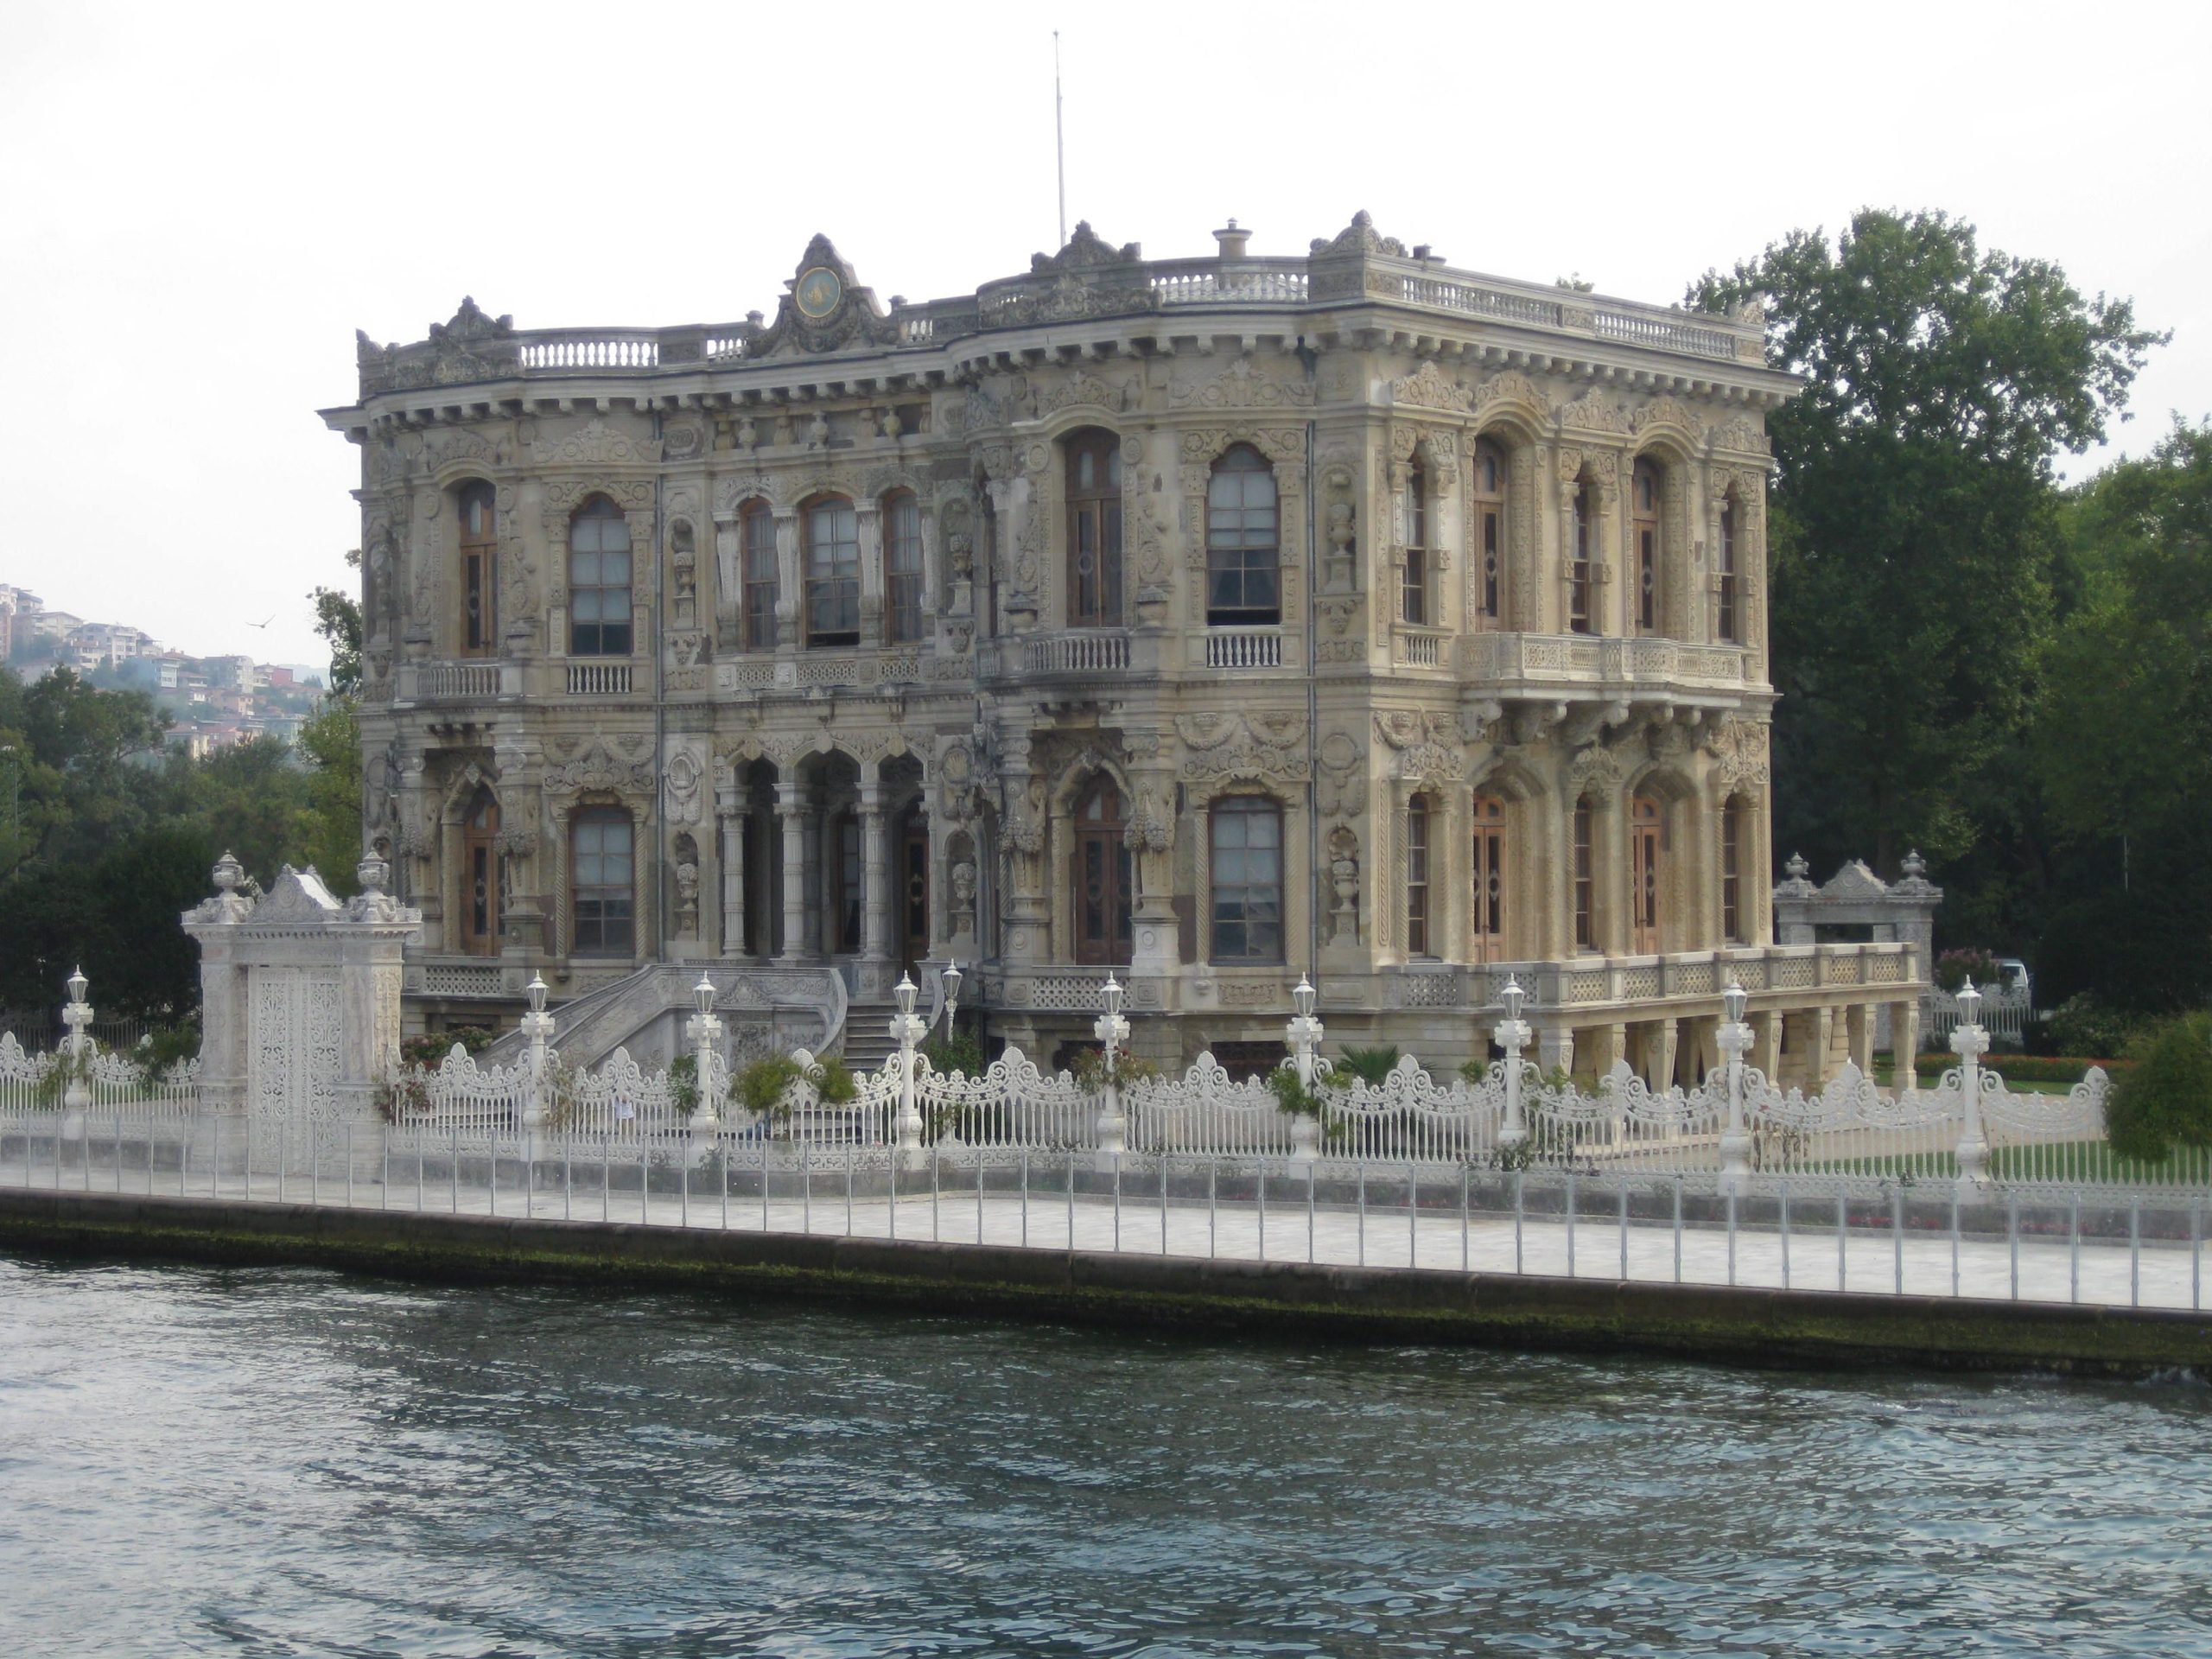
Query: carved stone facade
point(1211, 622)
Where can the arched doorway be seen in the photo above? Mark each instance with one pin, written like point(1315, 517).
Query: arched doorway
point(1103, 877)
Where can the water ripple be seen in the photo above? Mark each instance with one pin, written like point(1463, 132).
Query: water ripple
point(290, 1463)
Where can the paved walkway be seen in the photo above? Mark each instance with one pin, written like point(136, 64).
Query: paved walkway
point(1812, 1256)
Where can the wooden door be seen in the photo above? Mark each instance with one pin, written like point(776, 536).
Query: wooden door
point(1490, 879)
point(1103, 880)
point(479, 877)
point(1643, 875)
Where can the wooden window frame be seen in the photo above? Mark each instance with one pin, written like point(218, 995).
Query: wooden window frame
point(1581, 616)
point(1731, 871)
point(760, 574)
point(1418, 846)
point(1488, 880)
point(1583, 829)
point(1105, 834)
point(1647, 502)
point(479, 569)
point(903, 568)
point(1094, 520)
point(606, 638)
point(1486, 501)
point(1729, 621)
point(834, 582)
point(603, 929)
point(1414, 594)
point(1238, 530)
point(1647, 824)
point(1253, 934)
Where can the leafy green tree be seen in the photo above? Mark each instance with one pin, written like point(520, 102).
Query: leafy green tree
point(2123, 738)
point(2165, 1100)
point(1915, 530)
point(338, 619)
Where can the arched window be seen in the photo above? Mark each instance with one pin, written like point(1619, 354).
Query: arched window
point(1486, 501)
point(1247, 879)
point(1103, 880)
point(1243, 575)
point(598, 580)
point(902, 569)
point(1417, 929)
point(1726, 561)
point(1644, 832)
point(480, 876)
point(1586, 884)
point(1413, 600)
point(1094, 494)
point(1490, 879)
point(479, 572)
point(1731, 871)
point(833, 573)
point(602, 888)
point(1643, 529)
point(758, 524)
point(1578, 569)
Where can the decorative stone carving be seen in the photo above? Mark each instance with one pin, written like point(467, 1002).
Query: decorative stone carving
point(1428, 742)
point(1738, 748)
point(1426, 388)
point(596, 444)
point(1343, 886)
point(1340, 791)
point(853, 320)
point(600, 767)
point(1359, 238)
point(1241, 385)
point(1595, 771)
point(1590, 413)
point(1086, 390)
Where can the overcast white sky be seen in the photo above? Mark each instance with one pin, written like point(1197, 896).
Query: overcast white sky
point(199, 204)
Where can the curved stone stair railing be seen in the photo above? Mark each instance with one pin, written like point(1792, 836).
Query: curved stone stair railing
point(801, 1007)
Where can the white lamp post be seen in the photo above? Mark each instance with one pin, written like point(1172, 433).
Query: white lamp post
point(1304, 1035)
point(704, 1029)
point(1112, 1031)
point(538, 1029)
point(1512, 1034)
point(1734, 1038)
point(1970, 1042)
point(950, 980)
point(907, 1028)
point(76, 1014)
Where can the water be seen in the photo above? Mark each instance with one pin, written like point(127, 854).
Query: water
point(278, 1462)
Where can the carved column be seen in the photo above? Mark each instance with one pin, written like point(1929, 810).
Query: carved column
point(875, 880)
point(790, 583)
point(1858, 1029)
point(792, 814)
point(1152, 843)
point(1025, 910)
point(730, 805)
point(1821, 1024)
point(1659, 1048)
point(868, 518)
point(1766, 1043)
point(1904, 1042)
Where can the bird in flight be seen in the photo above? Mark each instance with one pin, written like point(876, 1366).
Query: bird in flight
point(264, 622)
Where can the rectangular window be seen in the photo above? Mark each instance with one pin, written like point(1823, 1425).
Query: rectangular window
point(759, 579)
point(1490, 558)
point(1731, 838)
point(480, 586)
point(1586, 930)
point(1578, 574)
point(1728, 622)
point(1247, 882)
point(599, 586)
point(833, 574)
point(603, 888)
point(1417, 880)
point(902, 570)
point(1414, 602)
point(1243, 579)
point(1647, 579)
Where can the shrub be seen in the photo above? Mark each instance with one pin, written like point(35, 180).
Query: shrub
point(2084, 1025)
point(1293, 1097)
point(2165, 1100)
point(760, 1088)
point(1955, 968)
point(684, 1083)
point(959, 1052)
point(1089, 1068)
point(835, 1085)
point(2025, 1068)
point(1369, 1065)
point(166, 1047)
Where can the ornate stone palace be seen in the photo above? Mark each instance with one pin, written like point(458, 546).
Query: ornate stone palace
point(1206, 621)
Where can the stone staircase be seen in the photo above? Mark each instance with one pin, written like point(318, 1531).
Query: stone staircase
point(868, 1035)
point(645, 1011)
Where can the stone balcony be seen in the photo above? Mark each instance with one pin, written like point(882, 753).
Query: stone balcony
point(1531, 665)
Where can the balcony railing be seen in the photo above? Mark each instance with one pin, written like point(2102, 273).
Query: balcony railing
point(1413, 647)
point(599, 679)
point(457, 682)
point(1570, 657)
point(1077, 651)
point(1237, 648)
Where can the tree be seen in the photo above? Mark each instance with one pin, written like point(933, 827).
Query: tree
point(338, 619)
point(1915, 529)
point(2123, 738)
point(331, 741)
